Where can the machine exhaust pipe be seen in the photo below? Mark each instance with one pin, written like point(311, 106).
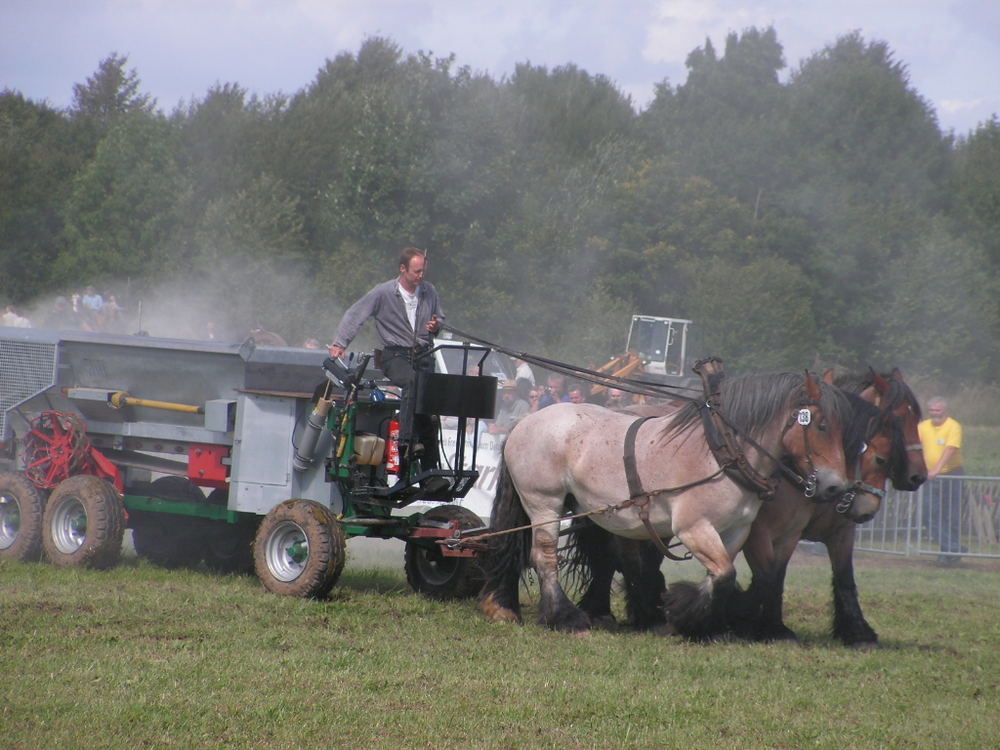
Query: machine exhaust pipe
point(306, 449)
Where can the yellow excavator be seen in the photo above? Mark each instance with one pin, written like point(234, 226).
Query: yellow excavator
point(656, 347)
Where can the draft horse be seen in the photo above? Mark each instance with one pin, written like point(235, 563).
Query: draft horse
point(572, 457)
point(892, 451)
point(881, 433)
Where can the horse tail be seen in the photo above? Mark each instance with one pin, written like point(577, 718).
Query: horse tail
point(506, 555)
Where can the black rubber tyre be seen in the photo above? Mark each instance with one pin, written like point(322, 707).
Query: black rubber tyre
point(228, 547)
point(83, 523)
point(177, 488)
point(300, 549)
point(22, 505)
point(432, 574)
point(167, 540)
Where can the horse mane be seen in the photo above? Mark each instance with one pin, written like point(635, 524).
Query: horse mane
point(857, 429)
point(750, 402)
point(898, 393)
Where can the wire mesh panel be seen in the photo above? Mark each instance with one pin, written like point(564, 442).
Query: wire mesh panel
point(26, 369)
point(951, 517)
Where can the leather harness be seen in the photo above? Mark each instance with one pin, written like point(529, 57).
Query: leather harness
point(722, 442)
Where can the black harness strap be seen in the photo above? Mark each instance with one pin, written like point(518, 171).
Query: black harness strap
point(720, 437)
point(636, 491)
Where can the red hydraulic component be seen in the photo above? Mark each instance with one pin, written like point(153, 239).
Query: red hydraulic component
point(205, 467)
point(56, 447)
point(392, 448)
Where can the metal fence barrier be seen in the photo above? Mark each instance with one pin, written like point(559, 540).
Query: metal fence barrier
point(951, 517)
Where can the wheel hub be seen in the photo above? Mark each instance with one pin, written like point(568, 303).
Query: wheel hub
point(10, 521)
point(69, 527)
point(287, 552)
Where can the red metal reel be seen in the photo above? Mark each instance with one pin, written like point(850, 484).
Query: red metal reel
point(55, 448)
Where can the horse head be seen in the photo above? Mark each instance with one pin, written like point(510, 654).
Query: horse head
point(813, 440)
point(907, 467)
point(871, 468)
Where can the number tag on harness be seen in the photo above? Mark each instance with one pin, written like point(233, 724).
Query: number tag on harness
point(805, 417)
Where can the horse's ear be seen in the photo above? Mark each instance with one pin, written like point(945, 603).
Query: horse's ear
point(896, 374)
point(813, 388)
point(880, 383)
point(828, 376)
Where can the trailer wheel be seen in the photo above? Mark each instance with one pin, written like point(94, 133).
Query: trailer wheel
point(432, 574)
point(299, 549)
point(83, 523)
point(228, 547)
point(177, 488)
point(21, 507)
point(164, 539)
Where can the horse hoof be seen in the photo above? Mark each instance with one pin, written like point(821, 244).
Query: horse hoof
point(496, 612)
point(605, 622)
point(568, 622)
point(666, 630)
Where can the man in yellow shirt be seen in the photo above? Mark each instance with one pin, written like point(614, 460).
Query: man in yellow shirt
point(941, 439)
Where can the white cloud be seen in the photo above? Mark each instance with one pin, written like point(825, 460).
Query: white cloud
point(955, 106)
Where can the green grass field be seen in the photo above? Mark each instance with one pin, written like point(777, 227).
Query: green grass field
point(143, 657)
point(981, 450)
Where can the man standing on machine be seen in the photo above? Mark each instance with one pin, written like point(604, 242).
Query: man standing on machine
point(407, 314)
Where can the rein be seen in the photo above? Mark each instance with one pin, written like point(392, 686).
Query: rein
point(632, 385)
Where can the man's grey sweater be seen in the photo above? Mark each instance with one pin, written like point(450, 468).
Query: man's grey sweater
point(385, 304)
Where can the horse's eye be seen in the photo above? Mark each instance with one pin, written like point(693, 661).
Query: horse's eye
point(879, 461)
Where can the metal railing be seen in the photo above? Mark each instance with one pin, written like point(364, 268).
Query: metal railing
point(950, 517)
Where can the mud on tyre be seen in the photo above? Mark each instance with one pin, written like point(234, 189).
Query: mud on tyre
point(83, 523)
point(22, 505)
point(300, 549)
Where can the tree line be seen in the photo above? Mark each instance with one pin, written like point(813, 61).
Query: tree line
point(824, 219)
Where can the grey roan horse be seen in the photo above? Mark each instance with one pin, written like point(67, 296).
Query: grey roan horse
point(881, 432)
point(568, 457)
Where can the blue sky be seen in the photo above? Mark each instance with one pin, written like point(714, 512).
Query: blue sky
point(180, 48)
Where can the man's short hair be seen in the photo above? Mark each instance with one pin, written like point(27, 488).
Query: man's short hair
point(409, 254)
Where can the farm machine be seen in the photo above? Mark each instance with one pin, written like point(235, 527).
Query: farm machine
point(238, 456)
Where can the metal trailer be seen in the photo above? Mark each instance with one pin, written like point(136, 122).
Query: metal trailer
point(243, 457)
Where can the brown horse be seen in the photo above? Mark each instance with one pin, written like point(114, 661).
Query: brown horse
point(781, 525)
point(568, 457)
point(887, 429)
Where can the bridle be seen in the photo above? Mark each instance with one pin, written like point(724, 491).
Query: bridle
point(846, 501)
point(804, 418)
point(721, 436)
